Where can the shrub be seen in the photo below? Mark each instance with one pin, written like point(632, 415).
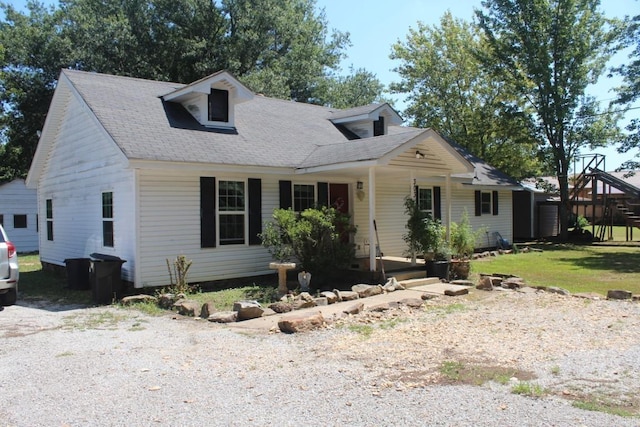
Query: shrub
point(425, 235)
point(317, 238)
point(463, 238)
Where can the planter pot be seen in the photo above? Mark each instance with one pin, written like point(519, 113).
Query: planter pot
point(439, 269)
point(459, 269)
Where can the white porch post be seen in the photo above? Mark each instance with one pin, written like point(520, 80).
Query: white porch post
point(372, 216)
point(448, 194)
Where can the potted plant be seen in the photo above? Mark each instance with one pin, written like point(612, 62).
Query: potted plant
point(427, 236)
point(463, 245)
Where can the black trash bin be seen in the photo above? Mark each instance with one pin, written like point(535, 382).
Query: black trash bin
point(106, 281)
point(78, 273)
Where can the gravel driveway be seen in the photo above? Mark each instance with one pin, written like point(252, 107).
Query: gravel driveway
point(103, 366)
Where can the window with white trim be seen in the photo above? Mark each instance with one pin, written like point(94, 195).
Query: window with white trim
point(485, 202)
point(232, 212)
point(425, 200)
point(107, 219)
point(49, 209)
point(304, 197)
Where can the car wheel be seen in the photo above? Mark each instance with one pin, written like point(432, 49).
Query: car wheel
point(10, 297)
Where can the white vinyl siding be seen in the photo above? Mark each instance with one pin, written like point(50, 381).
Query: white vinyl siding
point(84, 163)
point(17, 202)
point(170, 226)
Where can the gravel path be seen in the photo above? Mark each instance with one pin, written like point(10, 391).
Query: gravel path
point(109, 366)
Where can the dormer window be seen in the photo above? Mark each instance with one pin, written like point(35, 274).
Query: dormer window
point(219, 105)
point(378, 126)
point(212, 101)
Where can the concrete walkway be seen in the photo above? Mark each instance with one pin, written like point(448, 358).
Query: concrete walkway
point(269, 323)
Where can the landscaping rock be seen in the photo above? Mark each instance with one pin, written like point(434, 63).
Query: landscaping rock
point(301, 303)
point(305, 296)
point(301, 322)
point(393, 285)
point(619, 294)
point(354, 309)
point(348, 296)
point(425, 296)
point(338, 295)
point(485, 283)
point(188, 307)
point(513, 283)
point(380, 308)
point(557, 290)
point(330, 296)
point(281, 307)
point(248, 309)
point(134, 299)
point(456, 292)
point(589, 295)
point(223, 317)
point(412, 302)
point(166, 301)
point(365, 291)
point(207, 310)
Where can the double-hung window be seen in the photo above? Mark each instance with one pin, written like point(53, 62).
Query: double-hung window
point(107, 219)
point(425, 200)
point(49, 209)
point(485, 203)
point(232, 212)
point(304, 197)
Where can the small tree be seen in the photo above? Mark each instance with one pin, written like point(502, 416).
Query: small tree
point(463, 238)
point(425, 235)
point(316, 238)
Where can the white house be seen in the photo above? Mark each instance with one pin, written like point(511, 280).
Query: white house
point(19, 214)
point(148, 170)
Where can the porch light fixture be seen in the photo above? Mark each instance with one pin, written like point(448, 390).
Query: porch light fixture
point(360, 190)
point(419, 155)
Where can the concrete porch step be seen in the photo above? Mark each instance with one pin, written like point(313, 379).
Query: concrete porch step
point(412, 283)
point(408, 274)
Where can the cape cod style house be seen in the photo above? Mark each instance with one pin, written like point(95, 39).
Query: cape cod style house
point(148, 170)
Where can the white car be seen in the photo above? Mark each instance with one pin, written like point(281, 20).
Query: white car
point(9, 271)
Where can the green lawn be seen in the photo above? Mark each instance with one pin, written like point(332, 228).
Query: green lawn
point(575, 268)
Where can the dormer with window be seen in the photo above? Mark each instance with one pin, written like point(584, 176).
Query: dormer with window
point(366, 122)
point(212, 100)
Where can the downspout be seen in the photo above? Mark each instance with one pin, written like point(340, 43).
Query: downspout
point(373, 247)
point(448, 194)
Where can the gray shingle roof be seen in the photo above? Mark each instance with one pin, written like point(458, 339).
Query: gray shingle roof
point(269, 132)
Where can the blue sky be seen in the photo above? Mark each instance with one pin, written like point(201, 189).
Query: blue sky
point(375, 25)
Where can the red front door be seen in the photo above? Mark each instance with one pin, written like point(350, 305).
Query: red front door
point(339, 199)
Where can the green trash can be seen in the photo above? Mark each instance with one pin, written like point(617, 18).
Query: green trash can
point(106, 280)
point(78, 277)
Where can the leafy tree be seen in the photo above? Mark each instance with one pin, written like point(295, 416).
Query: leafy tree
point(451, 91)
point(630, 90)
point(33, 53)
point(550, 51)
point(281, 48)
point(361, 87)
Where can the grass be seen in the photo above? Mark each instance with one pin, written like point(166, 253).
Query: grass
point(602, 405)
point(575, 268)
point(456, 372)
point(37, 284)
point(525, 388)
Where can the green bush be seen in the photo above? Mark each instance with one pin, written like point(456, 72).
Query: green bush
point(425, 235)
point(317, 238)
point(463, 238)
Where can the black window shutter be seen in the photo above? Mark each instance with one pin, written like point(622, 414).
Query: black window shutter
point(285, 195)
point(207, 212)
point(323, 194)
point(478, 203)
point(495, 202)
point(437, 203)
point(255, 210)
point(415, 193)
